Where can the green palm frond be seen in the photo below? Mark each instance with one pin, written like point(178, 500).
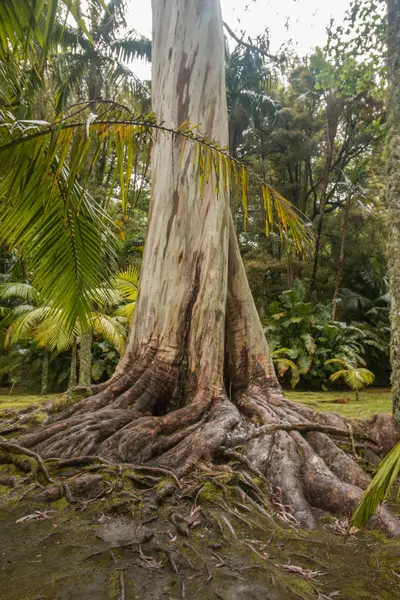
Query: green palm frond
point(27, 23)
point(24, 291)
point(355, 377)
point(379, 487)
point(107, 297)
point(130, 47)
point(69, 72)
point(66, 235)
point(24, 320)
point(52, 333)
point(110, 328)
point(127, 283)
point(126, 311)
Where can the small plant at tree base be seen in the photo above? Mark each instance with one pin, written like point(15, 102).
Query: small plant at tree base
point(355, 377)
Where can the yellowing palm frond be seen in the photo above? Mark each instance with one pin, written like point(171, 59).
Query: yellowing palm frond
point(126, 311)
point(52, 333)
point(24, 320)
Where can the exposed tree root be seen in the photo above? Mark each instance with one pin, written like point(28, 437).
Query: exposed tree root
point(287, 447)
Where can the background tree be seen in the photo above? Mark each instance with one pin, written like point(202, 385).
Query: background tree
point(393, 194)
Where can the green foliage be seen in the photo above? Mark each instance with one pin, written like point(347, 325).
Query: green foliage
point(305, 342)
point(379, 488)
point(355, 377)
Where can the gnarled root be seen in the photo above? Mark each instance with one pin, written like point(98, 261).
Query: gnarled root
point(293, 448)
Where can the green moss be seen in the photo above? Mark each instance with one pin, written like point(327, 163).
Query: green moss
point(257, 481)
point(38, 418)
point(210, 492)
point(21, 461)
point(60, 504)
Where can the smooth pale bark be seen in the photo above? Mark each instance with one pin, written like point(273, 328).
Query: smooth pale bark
point(85, 359)
point(393, 196)
point(339, 271)
point(181, 309)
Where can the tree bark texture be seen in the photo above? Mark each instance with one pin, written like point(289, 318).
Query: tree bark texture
point(85, 359)
point(72, 376)
point(45, 372)
point(197, 375)
point(393, 195)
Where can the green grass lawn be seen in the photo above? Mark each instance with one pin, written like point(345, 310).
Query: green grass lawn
point(372, 401)
point(20, 400)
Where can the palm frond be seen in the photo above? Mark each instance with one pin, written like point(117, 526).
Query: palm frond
point(24, 291)
point(66, 235)
point(110, 328)
point(127, 283)
point(24, 320)
point(130, 47)
point(126, 311)
point(52, 332)
point(379, 488)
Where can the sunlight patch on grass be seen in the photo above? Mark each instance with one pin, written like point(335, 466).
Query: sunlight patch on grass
point(372, 401)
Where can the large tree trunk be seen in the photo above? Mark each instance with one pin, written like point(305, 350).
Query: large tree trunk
point(197, 376)
point(393, 196)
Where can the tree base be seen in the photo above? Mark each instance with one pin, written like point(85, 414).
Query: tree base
point(311, 461)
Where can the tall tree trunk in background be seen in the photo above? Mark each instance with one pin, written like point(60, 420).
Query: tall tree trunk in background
point(393, 195)
point(45, 372)
point(197, 376)
point(332, 115)
point(85, 359)
point(339, 271)
point(72, 376)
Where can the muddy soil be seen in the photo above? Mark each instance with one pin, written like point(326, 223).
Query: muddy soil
point(125, 552)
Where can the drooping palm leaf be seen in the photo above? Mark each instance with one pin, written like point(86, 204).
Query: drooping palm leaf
point(379, 488)
point(66, 235)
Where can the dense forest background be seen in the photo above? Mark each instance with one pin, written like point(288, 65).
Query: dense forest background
point(312, 127)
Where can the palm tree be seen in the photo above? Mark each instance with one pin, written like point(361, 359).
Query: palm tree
point(247, 97)
point(38, 320)
point(95, 59)
point(355, 377)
